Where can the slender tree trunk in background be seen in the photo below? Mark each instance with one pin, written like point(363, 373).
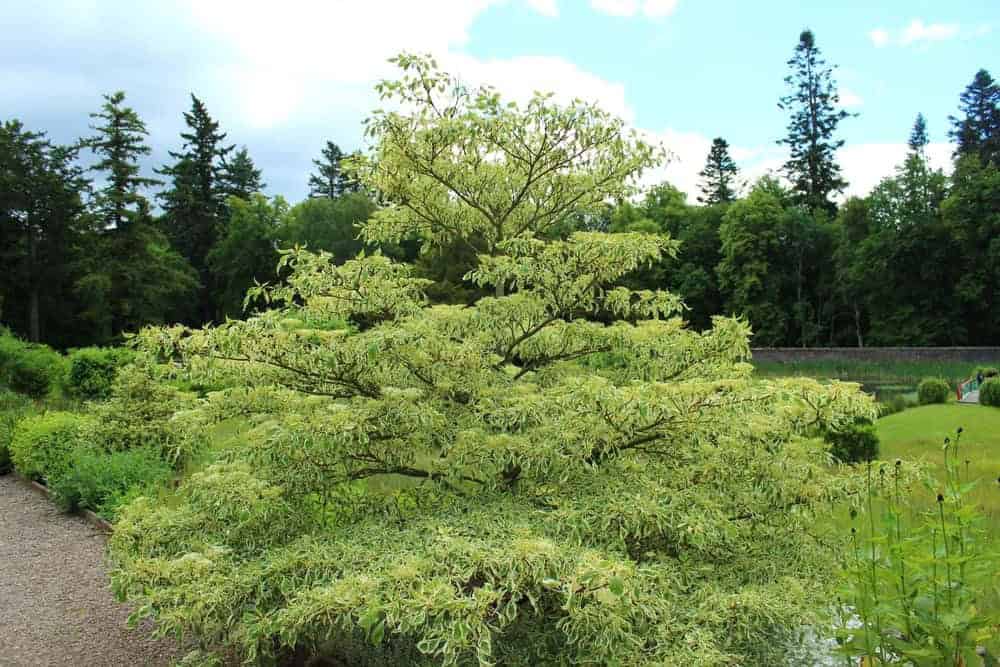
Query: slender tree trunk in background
point(500, 292)
point(857, 325)
point(34, 328)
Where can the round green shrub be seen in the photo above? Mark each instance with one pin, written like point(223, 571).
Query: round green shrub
point(29, 369)
point(989, 392)
point(13, 408)
point(43, 445)
point(92, 371)
point(932, 390)
point(854, 443)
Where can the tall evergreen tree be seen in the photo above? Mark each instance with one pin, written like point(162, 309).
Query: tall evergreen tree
point(242, 178)
point(119, 144)
point(813, 104)
point(719, 175)
point(41, 223)
point(195, 211)
point(132, 277)
point(329, 180)
point(977, 129)
point(918, 135)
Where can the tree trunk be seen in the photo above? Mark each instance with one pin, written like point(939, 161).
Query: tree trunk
point(34, 328)
point(857, 325)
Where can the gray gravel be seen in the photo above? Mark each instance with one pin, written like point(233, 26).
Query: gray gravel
point(55, 604)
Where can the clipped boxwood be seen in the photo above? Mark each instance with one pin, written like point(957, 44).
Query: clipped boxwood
point(989, 392)
point(43, 445)
point(932, 390)
point(854, 443)
point(28, 368)
point(92, 371)
point(13, 408)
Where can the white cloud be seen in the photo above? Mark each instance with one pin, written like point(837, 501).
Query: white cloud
point(864, 165)
point(519, 78)
point(849, 98)
point(659, 8)
point(879, 37)
point(544, 7)
point(918, 32)
point(627, 8)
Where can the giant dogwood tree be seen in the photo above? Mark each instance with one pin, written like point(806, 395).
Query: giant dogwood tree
point(512, 482)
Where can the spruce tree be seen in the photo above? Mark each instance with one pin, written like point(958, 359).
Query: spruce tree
point(119, 144)
point(242, 178)
point(813, 105)
point(329, 180)
point(718, 175)
point(195, 210)
point(977, 129)
point(918, 136)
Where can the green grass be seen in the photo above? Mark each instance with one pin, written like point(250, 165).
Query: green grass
point(918, 434)
point(904, 373)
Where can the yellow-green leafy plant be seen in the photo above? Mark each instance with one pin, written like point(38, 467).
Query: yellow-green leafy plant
point(917, 583)
point(452, 484)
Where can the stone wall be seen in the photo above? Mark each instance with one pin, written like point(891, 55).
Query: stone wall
point(795, 354)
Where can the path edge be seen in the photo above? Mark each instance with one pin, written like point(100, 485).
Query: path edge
point(91, 518)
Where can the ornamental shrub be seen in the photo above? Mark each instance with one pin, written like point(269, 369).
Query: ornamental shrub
point(29, 368)
point(142, 412)
point(986, 371)
point(854, 443)
point(103, 482)
point(932, 390)
point(13, 408)
point(43, 445)
point(452, 481)
point(989, 392)
point(91, 371)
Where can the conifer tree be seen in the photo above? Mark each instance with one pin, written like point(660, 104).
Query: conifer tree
point(329, 180)
point(195, 206)
point(977, 129)
point(242, 178)
point(119, 144)
point(41, 224)
point(718, 175)
point(813, 105)
point(918, 136)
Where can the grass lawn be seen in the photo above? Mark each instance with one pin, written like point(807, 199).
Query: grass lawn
point(917, 434)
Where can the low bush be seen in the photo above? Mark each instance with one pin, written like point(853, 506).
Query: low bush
point(989, 393)
point(103, 482)
point(13, 408)
point(897, 403)
point(854, 443)
point(28, 368)
point(91, 371)
point(932, 390)
point(43, 445)
point(986, 371)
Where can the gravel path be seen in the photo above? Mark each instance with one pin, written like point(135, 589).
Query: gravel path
point(55, 604)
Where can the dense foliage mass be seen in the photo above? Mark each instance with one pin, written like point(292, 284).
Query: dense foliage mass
point(989, 392)
point(455, 484)
point(933, 390)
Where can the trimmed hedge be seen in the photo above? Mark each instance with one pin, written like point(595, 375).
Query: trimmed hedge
point(989, 392)
point(28, 368)
point(43, 445)
point(854, 443)
point(932, 390)
point(92, 371)
point(13, 408)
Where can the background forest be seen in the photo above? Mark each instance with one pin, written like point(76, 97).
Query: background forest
point(93, 248)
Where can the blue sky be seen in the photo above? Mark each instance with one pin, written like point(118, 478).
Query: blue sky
point(284, 77)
